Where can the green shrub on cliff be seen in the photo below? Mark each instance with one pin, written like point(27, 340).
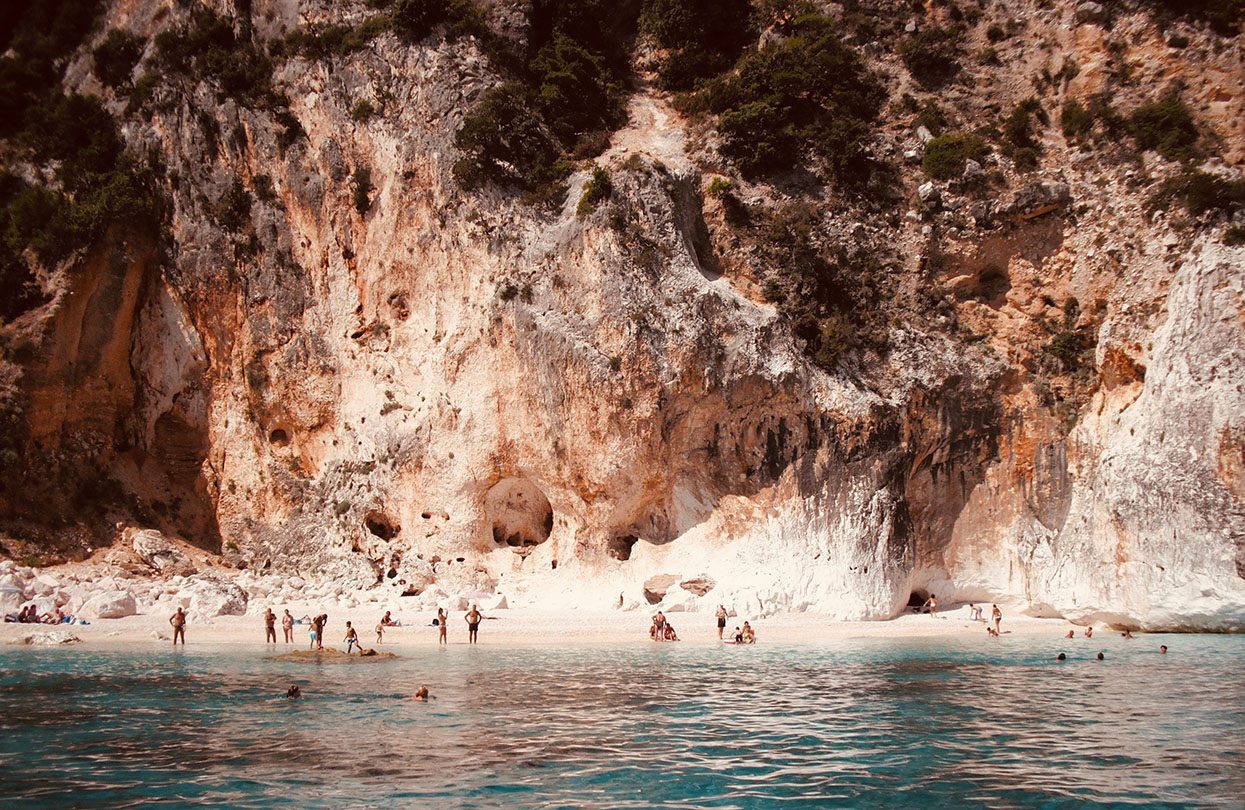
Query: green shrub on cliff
point(807, 99)
point(701, 38)
point(931, 56)
point(1201, 192)
point(115, 58)
point(206, 48)
point(596, 191)
point(560, 101)
point(1167, 127)
point(946, 155)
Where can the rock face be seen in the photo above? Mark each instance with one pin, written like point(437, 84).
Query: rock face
point(453, 395)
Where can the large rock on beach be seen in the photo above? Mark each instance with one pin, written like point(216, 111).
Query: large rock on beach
point(205, 597)
point(110, 605)
point(50, 638)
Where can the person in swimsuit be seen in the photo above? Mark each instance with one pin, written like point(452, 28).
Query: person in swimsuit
point(442, 629)
point(749, 635)
point(293, 693)
point(380, 630)
point(1071, 634)
point(287, 624)
point(931, 605)
point(1162, 649)
point(739, 636)
point(721, 621)
point(1089, 632)
point(312, 634)
point(997, 615)
point(1101, 657)
point(659, 623)
point(321, 621)
point(270, 626)
point(473, 618)
point(352, 640)
point(670, 634)
point(421, 694)
point(1127, 634)
point(178, 620)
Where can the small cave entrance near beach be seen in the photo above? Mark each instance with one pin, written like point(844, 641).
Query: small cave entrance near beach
point(381, 526)
point(520, 514)
point(917, 598)
point(619, 547)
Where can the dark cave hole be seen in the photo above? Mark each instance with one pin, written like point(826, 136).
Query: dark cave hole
point(393, 572)
point(620, 547)
point(279, 437)
point(381, 526)
point(917, 598)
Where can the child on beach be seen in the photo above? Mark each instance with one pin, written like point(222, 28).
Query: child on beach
point(351, 639)
point(380, 630)
point(739, 636)
point(748, 635)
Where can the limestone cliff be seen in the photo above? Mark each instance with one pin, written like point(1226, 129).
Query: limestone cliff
point(325, 357)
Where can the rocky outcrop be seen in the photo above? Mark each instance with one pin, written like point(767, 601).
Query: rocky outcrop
point(461, 398)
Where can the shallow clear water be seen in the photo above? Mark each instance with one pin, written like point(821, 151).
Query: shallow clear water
point(865, 723)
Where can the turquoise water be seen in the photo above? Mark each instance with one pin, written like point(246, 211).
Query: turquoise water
point(868, 723)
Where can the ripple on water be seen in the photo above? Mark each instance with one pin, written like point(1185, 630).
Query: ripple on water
point(859, 724)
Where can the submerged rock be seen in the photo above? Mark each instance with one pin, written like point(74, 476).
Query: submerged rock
point(50, 638)
point(331, 655)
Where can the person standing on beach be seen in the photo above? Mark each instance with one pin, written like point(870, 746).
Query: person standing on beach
point(721, 620)
point(352, 640)
point(287, 624)
point(473, 618)
point(997, 615)
point(442, 630)
point(324, 620)
point(178, 620)
point(270, 626)
point(931, 605)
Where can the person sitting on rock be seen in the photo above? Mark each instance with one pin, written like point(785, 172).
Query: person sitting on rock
point(749, 635)
point(670, 634)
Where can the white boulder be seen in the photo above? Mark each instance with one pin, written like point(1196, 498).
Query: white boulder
point(110, 605)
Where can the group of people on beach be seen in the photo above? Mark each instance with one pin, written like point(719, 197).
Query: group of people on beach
point(30, 614)
point(662, 630)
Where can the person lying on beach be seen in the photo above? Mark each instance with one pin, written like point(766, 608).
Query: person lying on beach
point(421, 694)
point(670, 634)
point(749, 635)
point(351, 639)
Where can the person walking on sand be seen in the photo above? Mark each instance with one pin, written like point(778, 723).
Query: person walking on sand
point(997, 615)
point(352, 640)
point(930, 606)
point(721, 614)
point(287, 624)
point(473, 618)
point(270, 626)
point(178, 620)
point(380, 630)
point(442, 629)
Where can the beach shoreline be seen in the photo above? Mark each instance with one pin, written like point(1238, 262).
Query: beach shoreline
point(533, 627)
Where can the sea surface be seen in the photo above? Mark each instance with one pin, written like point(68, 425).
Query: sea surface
point(858, 723)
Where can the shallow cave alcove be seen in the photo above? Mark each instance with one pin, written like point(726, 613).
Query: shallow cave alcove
point(279, 437)
point(520, 514)
point(620, 547)
point(381, 526)
point(917, 598)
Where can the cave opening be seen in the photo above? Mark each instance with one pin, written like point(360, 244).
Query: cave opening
point(381, 526)
point(620, 547)
point(279, 437)
point(519, 513)
point(917, 598)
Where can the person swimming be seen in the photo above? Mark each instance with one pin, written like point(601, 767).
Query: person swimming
point(1089, 632)
point(1101, 657)
point(352, 639)
point(1061, 657)
point(421, 694)
point(1071, 634)
point(1127, 634)
point(1162, 649)
point(293, 693)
